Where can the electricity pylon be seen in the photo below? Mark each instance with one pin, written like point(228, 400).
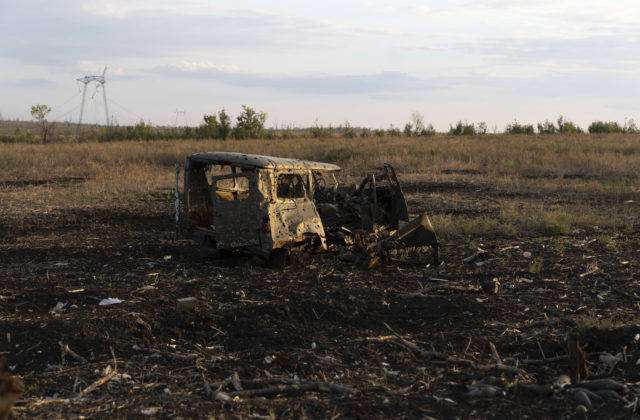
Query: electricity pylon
point(184, 114)
point(100, 81)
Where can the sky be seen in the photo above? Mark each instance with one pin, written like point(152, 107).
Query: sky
point(366, 62)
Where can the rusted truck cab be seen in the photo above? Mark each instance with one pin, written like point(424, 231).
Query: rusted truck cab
point(243, 201)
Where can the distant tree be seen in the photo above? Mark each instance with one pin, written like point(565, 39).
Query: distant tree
point(250, 123)
point(547, 127)
point(605, 127)
point(567, 127)
point(379, 132)
point(418, 122)
point(211, 127)
point(349, 131)
point(319, 131)
point(482, 127)
point(462, 129)
point(270, 134)
point(287, 132)
point(39, 113)
point(393, 131)
point(517, 128)
point(630, 126)
point(225, 124)
point(429, 130)
point(408, 130)
point(141, 131)
point(187, 133)
point(18, 134)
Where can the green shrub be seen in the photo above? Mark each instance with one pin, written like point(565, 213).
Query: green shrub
point(547, 127)
point(140, 131)
point(393, 131)
point(516, 128)
point(429, 130)
point(349, 131)
point(18, 134)
point(567, 127)
point(241, 133)
point(605, 127)
point(613, 127)
point(287, 132)
point(408, 130)
point(320, 132)
point(462, 129)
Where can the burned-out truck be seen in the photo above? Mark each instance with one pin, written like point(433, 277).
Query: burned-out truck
point(269, 206)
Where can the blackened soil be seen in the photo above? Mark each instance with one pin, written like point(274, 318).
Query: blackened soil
point(319, 320)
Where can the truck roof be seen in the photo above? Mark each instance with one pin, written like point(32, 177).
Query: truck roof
point(244, 160)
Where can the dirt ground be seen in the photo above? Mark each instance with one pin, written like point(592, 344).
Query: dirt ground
point(321, 338)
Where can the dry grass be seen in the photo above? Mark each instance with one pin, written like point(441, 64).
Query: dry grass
point(568, 167)
point(608, 157)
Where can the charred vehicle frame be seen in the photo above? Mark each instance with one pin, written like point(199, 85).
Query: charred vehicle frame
point(270, 205)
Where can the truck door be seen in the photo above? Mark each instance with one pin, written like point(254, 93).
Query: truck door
point(294, 217)
point(236, 204)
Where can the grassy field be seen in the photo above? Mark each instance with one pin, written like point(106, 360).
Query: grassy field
point(549, 184)
point(552, 220)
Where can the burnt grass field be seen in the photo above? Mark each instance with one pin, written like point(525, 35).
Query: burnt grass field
point(323, 337)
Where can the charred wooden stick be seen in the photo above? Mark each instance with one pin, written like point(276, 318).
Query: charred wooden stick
point(554, 359)
point(207, 389)
point(589, 272)
point(499, 365)
point(98, 383)
point(49, 401)
point(252, 383)
point(502, 368)
point(115, 360)
point(577, 357)
point(494, 353)
point(548, 322)
point(544, 361)
point(235, 380)
point(625, 294)
point(424, 291)
point(285, 389)
point(429, 354)
point(452, 359)
point(65, 350)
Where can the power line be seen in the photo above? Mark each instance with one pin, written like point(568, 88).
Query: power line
point(59, 116)
point(63, 104)
point(127, 110)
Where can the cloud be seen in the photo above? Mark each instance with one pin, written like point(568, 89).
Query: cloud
point(28, 84)
point(307, 84)
point(392, 85)
point(592, 52)
point(64, 36)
